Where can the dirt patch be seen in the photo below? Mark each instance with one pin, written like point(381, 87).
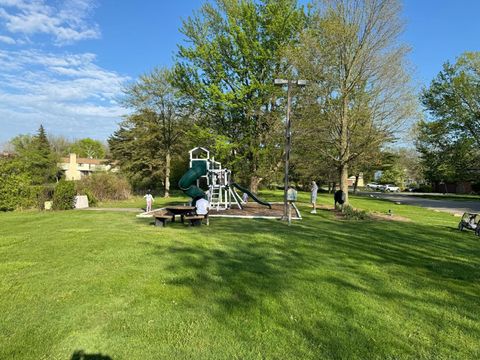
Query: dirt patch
point(372, 216)
point(254, 209)
point(378, 216)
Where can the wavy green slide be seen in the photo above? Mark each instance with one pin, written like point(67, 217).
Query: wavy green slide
point(252, 195)
point(186, 183)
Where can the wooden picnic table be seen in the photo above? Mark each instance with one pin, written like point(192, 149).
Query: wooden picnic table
point(180, 210)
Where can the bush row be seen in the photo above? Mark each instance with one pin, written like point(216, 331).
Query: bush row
point(16, 191)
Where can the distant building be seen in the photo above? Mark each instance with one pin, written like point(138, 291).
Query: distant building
point(6, 154)
point(76, 168)
point(351, 181)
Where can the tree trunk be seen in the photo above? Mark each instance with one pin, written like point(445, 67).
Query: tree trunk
point(355, 185)
point(344, 149)
point(254, 178)
point(167, 174)
point(344, 181)
point(254, 182)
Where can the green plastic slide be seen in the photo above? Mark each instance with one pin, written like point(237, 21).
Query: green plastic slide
point(252, 195)
point(186, 183)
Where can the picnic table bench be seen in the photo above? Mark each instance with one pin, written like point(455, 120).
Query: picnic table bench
point(161, 219)
point(195, 220)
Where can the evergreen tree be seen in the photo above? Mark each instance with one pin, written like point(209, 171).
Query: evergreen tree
point(35, 152)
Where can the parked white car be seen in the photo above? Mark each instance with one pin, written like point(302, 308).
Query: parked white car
point(390, 188)
point(374, 186)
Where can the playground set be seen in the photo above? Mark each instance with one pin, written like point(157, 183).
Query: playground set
point(207, 179)
point(221, 191)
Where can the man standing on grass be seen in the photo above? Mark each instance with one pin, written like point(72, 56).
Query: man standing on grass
point(313, 197)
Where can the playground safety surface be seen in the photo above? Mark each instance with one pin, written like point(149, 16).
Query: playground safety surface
point(253, 210)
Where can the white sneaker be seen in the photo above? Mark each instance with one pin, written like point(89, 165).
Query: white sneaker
point(313, 212)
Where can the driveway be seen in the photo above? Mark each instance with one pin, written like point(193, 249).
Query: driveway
point(450, 206)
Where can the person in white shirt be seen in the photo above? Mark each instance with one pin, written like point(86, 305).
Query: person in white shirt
point(313, 197)
point(245, 197)
point(202, 208)
point(150, 200)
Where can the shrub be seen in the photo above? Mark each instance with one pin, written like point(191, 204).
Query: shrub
point(15, 192)
point(92, 200)
point(64, 195)
point(425, 188)
point(43, 193)
point(104, 186)
point(352, 214)
point(15, 186)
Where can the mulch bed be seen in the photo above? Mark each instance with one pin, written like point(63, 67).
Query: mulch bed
point(253, 209)
point(373, 216)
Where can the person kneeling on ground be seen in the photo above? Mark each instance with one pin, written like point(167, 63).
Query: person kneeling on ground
point(201, 208)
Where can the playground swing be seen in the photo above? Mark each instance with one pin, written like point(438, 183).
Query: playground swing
point(221, 193)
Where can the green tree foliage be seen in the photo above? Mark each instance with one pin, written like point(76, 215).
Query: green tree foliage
point(88, 148)
point(449, 143)
point(35, 153)
point(15, 185)
point(399, 166)
point(227, 67)
point(64, 195)
point(154, 134)
point(359, 95)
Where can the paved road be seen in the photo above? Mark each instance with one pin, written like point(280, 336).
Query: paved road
point(451, 206)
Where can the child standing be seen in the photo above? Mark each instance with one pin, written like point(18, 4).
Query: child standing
point(313, 197)
point(149, 199)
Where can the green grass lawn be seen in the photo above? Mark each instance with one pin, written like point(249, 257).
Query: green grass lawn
point(177, 197)
point(106, 282)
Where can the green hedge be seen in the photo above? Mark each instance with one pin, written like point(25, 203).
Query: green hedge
point(64, 195)
point(16, 192)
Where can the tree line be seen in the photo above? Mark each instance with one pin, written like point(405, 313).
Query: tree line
point(30, 172)
point(220, 92)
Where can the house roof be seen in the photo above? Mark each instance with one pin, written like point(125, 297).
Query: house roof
point(66, 160)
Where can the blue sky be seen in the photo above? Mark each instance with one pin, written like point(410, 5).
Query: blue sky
point(63, 63)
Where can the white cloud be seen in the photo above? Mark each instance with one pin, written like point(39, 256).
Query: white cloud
point(68, 93)
point(7, 40)
point(67, 22)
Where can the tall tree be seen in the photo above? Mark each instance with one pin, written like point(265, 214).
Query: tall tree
point(453, 98)
point(359, 86)
point(147, 139)
point(35, 152)
point(60, 145)
point(449, 141)
point(232, 55)
point(88, 148)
